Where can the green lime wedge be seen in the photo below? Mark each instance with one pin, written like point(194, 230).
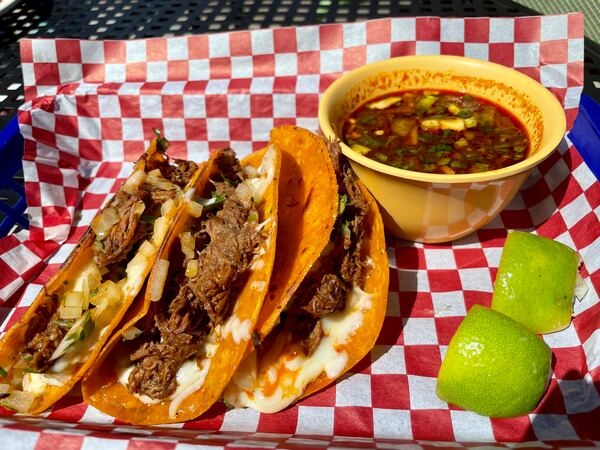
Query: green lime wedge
point(494, 366)
point(536, 281)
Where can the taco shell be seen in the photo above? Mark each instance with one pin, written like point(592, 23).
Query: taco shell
point(33, 391)
point(279, 372)
point(204, 378)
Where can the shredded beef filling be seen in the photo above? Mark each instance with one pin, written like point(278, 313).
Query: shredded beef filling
point(180, 172)
point(46, 331)
point(324, 290)
point(229, 242)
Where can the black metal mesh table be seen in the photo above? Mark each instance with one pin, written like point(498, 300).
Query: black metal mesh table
point(129, 19)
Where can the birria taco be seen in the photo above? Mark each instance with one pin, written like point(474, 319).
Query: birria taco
point(64, 329)
point(332, 315)
point(183, 341)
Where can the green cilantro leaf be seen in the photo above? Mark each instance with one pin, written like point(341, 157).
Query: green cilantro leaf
point(214, 201)
point(162, 144)
point(343, 201)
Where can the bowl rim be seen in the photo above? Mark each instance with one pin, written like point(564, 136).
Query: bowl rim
point(558, 128)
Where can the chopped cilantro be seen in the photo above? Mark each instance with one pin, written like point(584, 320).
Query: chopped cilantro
point(85, 330)
point(343, 201)
point(209, 203)
point(30, 370)
point(162, 144)
point(229, 181)
point(3, 373)
point(439, 149)
point(426, 137)
point(465, 113)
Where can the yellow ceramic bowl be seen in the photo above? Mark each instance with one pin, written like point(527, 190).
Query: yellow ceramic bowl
point(435, 207)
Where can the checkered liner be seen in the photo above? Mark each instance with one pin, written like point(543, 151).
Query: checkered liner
point(90, 110)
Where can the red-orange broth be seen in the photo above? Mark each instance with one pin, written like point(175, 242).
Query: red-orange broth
point(437, 132)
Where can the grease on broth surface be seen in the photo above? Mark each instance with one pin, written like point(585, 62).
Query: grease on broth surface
point(437, 132)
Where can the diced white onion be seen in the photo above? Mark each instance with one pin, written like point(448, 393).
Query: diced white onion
point(18, 401)
point(112, 292)
point(159, 277)
point(155, 173)
point(383, 103)
point(243, 191)
point(85, 290)
point(159, 182)
point(191, 270)
point(188, 244)
point(167, 206)
point(131, 333)
point(5, 388)
point(195, 209)
point(73, 299)
point(108, 292)
point(146, 249)
point(104, 221)
point(21, 364)
point(69, 312)
point(139, 207)
point(36, 383)
point(250, 171)
point(134, 181)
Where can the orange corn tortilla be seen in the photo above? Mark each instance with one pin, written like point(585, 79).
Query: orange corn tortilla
point(308, 202)
point(281, 343)
point(13, 341)
point(376, 283)
point(101, 387)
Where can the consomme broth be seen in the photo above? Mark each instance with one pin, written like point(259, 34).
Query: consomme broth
point(436, 132)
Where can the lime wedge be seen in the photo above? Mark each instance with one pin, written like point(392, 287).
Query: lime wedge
point(494, 366)
point(536, 281)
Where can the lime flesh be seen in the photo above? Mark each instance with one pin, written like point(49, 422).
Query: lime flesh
point(536, 281)
point(494, 366)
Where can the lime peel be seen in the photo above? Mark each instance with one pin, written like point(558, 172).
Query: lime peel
point(494, 366)
point(536, 281)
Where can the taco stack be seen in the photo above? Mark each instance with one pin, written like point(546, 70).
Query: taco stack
point(183, 341)
point(331, 312)
point(64, 329)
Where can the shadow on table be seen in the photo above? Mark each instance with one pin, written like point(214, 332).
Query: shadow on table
point(23, 20)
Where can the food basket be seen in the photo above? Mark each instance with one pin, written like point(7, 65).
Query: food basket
point(90, 107)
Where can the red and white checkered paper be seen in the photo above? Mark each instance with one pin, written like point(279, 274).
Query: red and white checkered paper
point(90, 108)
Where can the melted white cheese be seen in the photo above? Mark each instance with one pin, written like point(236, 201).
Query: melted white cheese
point(239, 330)
point(338, 327)
point(258, 285)
point(36, 383)
point(265, 174)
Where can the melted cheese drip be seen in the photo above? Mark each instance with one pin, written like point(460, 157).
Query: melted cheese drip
point(239, 330)
point(265, 174)
point(285, 379)
point(191, 375)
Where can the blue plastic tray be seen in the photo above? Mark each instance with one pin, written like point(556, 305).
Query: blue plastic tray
point(585, 134)
point(12, 193)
